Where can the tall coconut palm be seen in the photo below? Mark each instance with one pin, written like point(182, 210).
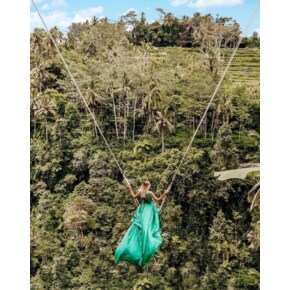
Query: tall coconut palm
point(110, 92)
point(151, 102)
point(40, 75)
point(225, 107)
point(137, 98)
point(95, 20)
point(168, 21)
point(163, 124)
point(161, 12)
point(94, 100)
point(34, 105)
point(125, 94)
point(37, 42)
point(46, 107)
point(57, 36)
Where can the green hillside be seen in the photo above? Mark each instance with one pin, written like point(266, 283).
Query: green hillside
point(245, 67)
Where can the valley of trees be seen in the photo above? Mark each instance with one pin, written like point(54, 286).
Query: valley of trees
point(148, 86)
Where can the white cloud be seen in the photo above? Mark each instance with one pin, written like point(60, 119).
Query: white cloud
point(258, 30)
point(206, 3)
point(129, 10)
point(58, 4)
point(85, 14)
point(62, 19)
point(54, 4)
point(179, 2)
point(55, 18)
point(45, 7)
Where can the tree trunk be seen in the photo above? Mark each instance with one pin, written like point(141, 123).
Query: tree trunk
point(147, 125)
point(205, 127)
point(46, 133)
point(162, 140)
point(125, 121)
point(95, 130)
point(119, 109)
point(212, 125)
point(134, 116)
point(227, 118)
point(115, 116)
point(34, 122)
point(193, 124)
point(60, 136)
point(174, 118)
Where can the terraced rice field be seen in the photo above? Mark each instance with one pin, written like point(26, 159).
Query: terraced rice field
point(245, 66)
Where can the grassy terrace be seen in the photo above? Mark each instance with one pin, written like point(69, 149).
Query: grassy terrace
point(244, 68)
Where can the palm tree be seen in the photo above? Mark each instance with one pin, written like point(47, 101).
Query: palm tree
point(150, 102)
point(168, 21)
point(126, 94)
point(34, 104)
point(37, 42)
point(225, 107)
point(57, 36)
point(110, 92)
point(163, 125)
point(40, 75)
point(134, 117)
point(95, 20)
point(162, 13)
point(94, 100)
point(45, 107)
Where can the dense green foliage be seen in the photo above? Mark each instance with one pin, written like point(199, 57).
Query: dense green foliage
point(148, 101)
point(186, 31)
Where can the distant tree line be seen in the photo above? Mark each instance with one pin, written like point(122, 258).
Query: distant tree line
point(186, 31)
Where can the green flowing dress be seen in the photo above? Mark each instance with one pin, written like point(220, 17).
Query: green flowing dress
point(143, 238)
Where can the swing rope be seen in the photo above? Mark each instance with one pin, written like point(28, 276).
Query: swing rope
point(212, 98)
point(96, 124)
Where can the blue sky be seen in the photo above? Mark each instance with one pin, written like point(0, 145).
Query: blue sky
point(61, 13)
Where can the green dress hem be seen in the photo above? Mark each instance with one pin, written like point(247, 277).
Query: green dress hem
point(143, 238)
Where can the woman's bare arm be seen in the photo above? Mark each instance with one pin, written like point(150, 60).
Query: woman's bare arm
point(131, 190)
point(132, 193)
point(158, 199)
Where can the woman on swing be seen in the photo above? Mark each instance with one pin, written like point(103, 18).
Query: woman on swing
point(143, 237)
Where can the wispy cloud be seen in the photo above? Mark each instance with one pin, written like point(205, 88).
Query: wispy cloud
point(45, 6)
point(63, 19)
point(55, 18)
point(56, 4)
point(129, 10)
point(205, 3)
point(85, 14)
point(52, 5)
point(179, 2)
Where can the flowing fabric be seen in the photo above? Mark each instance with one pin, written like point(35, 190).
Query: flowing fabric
point(143, 238)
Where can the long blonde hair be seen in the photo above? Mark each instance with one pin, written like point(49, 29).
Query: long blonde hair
point(144, 189)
